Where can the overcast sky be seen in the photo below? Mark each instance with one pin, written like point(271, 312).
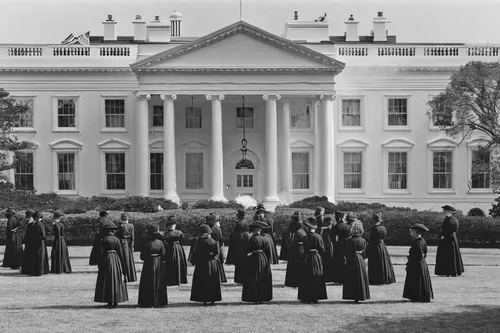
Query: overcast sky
point(50, 21)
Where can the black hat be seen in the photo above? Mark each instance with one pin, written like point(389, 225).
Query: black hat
point(205, 229)
point(377, 217)
point(419, 226)
point(339, 214)
point(240, 213)
point(124, 216)
point(103, 213)
point(57, 214)
point(297, 217)
point(447, 207)
point(319, 210)
point(171, 220)
point(259, 206)
point(258, 224)
point(109, 225)
point(351, 217)
point(210, 219)
point(10, 211)
point(311, 223)
point(154, 229)
point(29, 212)
point(327, 221)
point(260, 211)
point(37, 215)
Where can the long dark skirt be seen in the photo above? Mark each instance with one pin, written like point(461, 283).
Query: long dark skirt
point(129, 263)
point(13, 257)
point(206, 282)
point(356, 286)
point(418, 286)
point(448, 257)
point(274, 260)
point(59, 257)
point(339, 266)
point(222, 272)
point(258, 286)
point(176, 265)
point(95, 253)
point(152, 290)
point(27, 259)
point(110, 287)
point(380, 270)
point(312, 282)
point(294, 267)
point(239, 272)
point(40, 260)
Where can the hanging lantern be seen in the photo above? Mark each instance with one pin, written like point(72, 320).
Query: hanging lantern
point(244, 141)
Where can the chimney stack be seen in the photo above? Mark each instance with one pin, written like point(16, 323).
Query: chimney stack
point(351, 30)
point(379, 31)
point(175, 22)
point(158, 31)
point(109, 28)
point(139, 29)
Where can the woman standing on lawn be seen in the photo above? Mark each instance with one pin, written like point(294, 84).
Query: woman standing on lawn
point(28, 240)
point(448, 256)
point(110, 286)
point(418, 286)
point(295, 262)
point(356, 286)
point(152, 288)
point(237, 245)
point(99, 233)
point(286, 240)
point(327, 256)
point(176, 264)
point(40, 261)
point(13, 257)
point(126, 235)
point(59, 256)
point(206, 279)
point(312, 282)
point(213, 221)
point(342, 231)
point(268, 231)
point(380, 270)
point(258, 286)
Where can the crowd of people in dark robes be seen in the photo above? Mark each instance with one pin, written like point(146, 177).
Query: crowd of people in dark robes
point(318, 250)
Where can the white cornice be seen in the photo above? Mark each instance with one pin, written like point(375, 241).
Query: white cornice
point(239, 70)
point(65, 69)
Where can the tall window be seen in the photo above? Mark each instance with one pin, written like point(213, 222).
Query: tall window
point(398, 115)
point(300, 171)
point(480, 175)
point(244, 180)
point(244, 117)
point(300, 117)
point(194, 171)
point(352, 170)
point(156, 169)
point(193, 117)
point(66, 113)
point(114, 110)
point(66, 171)
point(351, 112)
point(115, 171)
point(23, 171)
point(26, 119)
point(397, 170)
point(158, 115)
point(441, 169)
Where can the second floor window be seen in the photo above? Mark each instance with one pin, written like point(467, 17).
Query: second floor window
point(193, 117)
point(158, 115)
point(244, 117)
point(114, 112)
point(26, 119)
point(351, 112)
point(66, 113)
point(300, 117)
point(398, 115)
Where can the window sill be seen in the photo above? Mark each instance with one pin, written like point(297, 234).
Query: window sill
point(403, 192)
point(202, 191)
point(156, 129)
point(66, 130)
point(295, 129)
point(23, 130)
point(66, 193)
point(351, 129)
point(114, 192)
point(301, 191)
point(481, 191)
point(156, 192)
point(192, 129)
point(356, 191)
point(114, 130)
point(397, 128)
point(444, 191)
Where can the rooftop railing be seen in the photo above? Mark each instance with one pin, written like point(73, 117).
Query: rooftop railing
point(428, 51)
point(65, 51)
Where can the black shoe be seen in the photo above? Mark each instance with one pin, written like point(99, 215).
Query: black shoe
point(212, 303)
point(115, 305)
point(356, 301)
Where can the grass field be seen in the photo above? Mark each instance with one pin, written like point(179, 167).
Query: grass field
point(64, 303)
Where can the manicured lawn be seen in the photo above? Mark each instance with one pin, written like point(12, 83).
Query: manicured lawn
point(64, 303)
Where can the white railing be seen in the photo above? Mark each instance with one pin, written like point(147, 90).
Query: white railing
point(440, 51)
point(396, 51)
point(69, 51)
point(482, 51)
point(24, 51)
point(114, 51)
point(353, 51)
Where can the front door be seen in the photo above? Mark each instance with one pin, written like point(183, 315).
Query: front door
point(245, 183)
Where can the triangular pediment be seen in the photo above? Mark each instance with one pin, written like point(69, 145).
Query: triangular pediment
point(240, 46)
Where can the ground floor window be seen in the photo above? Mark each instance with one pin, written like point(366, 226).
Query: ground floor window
point(397, 170)
point(23, 171)
point(480, 175)
point(115, 171)
point(66, 171)
point(352, 170)
point(300, 171)
point(156, 170)
point(194, 171)
point(441, 169)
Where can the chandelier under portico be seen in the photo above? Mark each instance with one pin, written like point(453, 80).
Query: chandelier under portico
point(244, 141)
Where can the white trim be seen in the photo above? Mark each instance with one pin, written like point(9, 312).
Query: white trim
point(113, 143)
point(310, 152)
point(441, 145)
point(31, 129)
point(301, 143)
point(55, 127)
point(352, 143)
point(55, 166)
point(471, 146)
point(361, 112)
point(386, 98)
point(114, 146)
point(102, 113)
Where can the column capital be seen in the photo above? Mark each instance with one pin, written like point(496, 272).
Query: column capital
point(168, 97)
point(138, 96)
point(266, 97)
point(331, 97)
point(218, 97)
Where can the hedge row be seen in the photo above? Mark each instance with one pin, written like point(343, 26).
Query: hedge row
point(473, 231)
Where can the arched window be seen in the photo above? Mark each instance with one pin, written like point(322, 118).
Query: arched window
point(244, 164)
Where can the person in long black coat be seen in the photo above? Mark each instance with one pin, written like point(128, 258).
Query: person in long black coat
point(380, 270)
point(13, 257)
point(312, 285)
point(59, 256)
point(296, 260)
point(40, 257)
point(213, 222)
point(152, 286)
point(206, 285)
point(175, 259)
point(327, 256)
point(342, 231)
point(356, 286)
point(111, 287)
point(319, 215)
point(126, 234)
point(286, 241)
point(237, 246)
point(258, 286)
point(448, 257)
point(28, 236)
point(268, 231)
point(95, 253)
point(418, 285)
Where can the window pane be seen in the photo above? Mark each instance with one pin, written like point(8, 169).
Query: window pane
point(66, 113)
point(397, 111)
point(23, 171)
point(115, 171)
point(66, 171)
point(158, 115)
point(480, 173)
point(194, 171)
point(26, 119)
point(245, 117)
point(300, 170)
point(351, 112)
point(397, 170)
point(300, 117)
point(352, 170)
point(193, 117)
point(441, 169)
point(156, 169)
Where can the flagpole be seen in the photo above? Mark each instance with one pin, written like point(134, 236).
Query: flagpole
point(241, 10)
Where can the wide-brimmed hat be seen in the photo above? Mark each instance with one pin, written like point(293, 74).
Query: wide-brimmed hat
point(29, 213)
point(377, 217)
point(103, 213)
point(240, 213)
point(171, 220)
point(419, 226)
point(449, 208)
point(154, 229)
point(319, 210)
point(37, 215)
point(124, 216)
point(339, 214)
point(10, 211)
point(297, 217)
point(327, 221)
point(311, 223)
point(258, 224)
point(259, 206)
point(58, 213)
point(205, 229)
point(109, 225)
point(351, 217)
point(210, 219)
point(260, 211)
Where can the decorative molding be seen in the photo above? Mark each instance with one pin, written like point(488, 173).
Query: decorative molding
point(169, 97)
point(193, 144)
point(301, 143)
point(353, 143)
point(156, 144)
point(266, 96)
point(219, 97)
point(442, 143)
point(477, 142)
point(113, 144)
point(66, 144)
point(64, 69)
point(240, 70)
point(398, 143)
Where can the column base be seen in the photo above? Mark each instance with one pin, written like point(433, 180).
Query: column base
point(218, 198)
point(173, 197)
point(270, 203)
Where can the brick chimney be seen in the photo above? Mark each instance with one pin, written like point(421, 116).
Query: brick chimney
point(139, 28)
point(109, 28)
point(351, 30)
point(158, 31)
point(379, 29)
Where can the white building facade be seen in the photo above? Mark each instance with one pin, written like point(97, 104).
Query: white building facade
point(159, 114)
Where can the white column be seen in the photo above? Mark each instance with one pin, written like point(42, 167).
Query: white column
point(217, 165)
point(142, 147)
point(326, 148)
point(271, 200)
point(285, 155)
point(169, 158)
